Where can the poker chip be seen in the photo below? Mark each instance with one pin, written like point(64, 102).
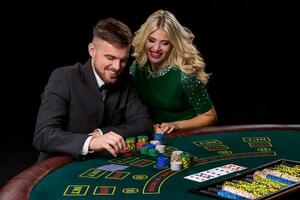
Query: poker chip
point(280, 180)
point(155, 142)
point(160, 148)
point(269, 182)
point(175, 156)
point(144, 150)
point(140, 144)
point(152, 152)
point(158, 136)
point(150, 146)
point(278, 176)
point(175, 166)
point(142, 138)
point(229, 195)
point(130, 144)
point(131, 139)
point(238, 192)
point(186, 160)
point(255, 188)
point(162, 162)
point(291, 171)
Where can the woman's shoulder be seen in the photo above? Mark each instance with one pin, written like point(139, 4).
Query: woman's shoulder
point(191, 82)
point(189, 78)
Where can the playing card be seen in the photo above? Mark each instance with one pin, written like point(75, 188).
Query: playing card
point(214, 172)
point(207, 174)
point(197, 177)
point(219, 171)
point(233, 167)
point(113, 167)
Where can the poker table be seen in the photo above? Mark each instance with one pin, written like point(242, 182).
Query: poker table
point(248, 146)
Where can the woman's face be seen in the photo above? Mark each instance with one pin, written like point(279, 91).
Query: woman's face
point(158, 47)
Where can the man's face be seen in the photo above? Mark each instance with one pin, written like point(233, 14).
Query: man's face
point(108, 60)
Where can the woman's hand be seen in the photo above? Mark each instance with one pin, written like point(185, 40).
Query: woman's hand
point(167, 128)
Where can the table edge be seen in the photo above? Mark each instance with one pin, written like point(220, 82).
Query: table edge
point(234, 128)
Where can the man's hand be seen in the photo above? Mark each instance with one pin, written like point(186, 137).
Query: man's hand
point(111, 141)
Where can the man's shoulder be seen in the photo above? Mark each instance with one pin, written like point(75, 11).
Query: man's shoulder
point(68, 71)
point(68, 68)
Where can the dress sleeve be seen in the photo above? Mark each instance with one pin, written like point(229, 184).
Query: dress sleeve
point(196, 93)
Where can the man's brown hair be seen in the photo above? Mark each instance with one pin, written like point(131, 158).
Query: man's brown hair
point(114, 32)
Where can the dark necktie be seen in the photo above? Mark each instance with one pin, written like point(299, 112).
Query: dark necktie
point(103, 91)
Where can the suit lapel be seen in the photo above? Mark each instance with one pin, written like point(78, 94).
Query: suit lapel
point(92, 91)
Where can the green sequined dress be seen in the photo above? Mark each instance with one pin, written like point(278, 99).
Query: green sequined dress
point(169, 93)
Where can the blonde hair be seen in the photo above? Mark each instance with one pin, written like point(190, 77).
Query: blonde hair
point(184, 55)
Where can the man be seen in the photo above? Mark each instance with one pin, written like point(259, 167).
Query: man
point(76, 116)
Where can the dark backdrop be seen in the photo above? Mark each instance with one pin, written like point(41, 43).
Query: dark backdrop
point(247, 45)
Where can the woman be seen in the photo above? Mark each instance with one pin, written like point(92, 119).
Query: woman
point(169, 74)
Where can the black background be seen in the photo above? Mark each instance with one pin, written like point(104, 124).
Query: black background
point(249, 46)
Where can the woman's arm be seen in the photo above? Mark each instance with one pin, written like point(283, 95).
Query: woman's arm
point(206, 119)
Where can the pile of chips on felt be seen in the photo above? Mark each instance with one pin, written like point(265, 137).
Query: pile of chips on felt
point(178, 160)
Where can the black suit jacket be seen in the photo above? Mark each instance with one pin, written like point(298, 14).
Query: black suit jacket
point(71, 107)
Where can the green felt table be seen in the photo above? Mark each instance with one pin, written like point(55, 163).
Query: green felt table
point(142, 180)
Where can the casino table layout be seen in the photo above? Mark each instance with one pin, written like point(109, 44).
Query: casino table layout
point(249, 146)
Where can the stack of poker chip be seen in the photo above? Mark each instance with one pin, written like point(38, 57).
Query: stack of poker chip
point(229, 190)
point(278, 176)
point(150, 146)
point(230, 193)
point(155, 142)
point(141, 141)
point(269, 183)
point(161, 148)
point(162, 162)
point(241, 190)
point(176, 163)
point(159, 137)
point(226, 194)
point(256, 188)
point(186, 160)
point(251, 189)
point(144, 150)
point(130, 144)
point(292, 173)
point(142, 138)
point(151, 150)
